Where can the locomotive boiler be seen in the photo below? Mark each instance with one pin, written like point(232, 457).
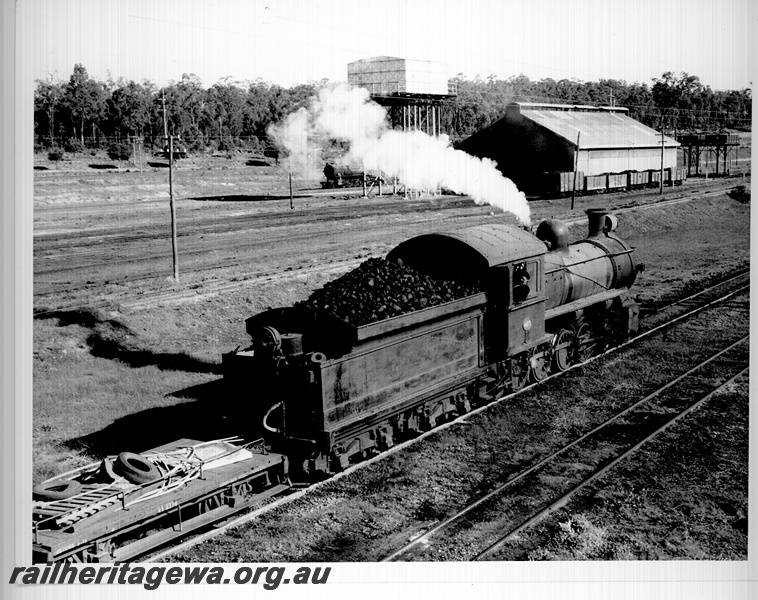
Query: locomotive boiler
point(331, 390)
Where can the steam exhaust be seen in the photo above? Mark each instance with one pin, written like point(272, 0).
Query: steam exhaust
point(347, 115)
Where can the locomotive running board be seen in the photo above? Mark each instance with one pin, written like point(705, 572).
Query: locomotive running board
point(559, 311)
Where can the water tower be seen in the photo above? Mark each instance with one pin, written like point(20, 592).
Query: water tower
point(413, 91)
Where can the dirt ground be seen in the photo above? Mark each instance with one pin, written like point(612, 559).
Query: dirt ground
point(126, 359)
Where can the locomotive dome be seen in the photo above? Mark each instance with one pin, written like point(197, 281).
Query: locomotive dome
point(466, 253)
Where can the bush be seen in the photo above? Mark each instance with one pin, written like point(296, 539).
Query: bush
point(192, 143)
point(740, 194)
point(55, 154)
point(73, 146)
point(120, 151)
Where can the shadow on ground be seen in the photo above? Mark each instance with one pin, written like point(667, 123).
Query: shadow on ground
point(239, 198)
point(96, 166)
point(110, 340)
point(250, 198)
point(201, 419)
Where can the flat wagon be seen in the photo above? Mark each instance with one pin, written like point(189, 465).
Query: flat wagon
point(125, 506)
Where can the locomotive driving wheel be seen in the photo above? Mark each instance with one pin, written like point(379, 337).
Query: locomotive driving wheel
point(539, 363)
point(585, 342)
point(563, 349)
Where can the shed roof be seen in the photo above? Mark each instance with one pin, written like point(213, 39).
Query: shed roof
point(600, 127)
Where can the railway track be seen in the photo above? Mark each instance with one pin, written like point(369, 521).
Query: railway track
point(150, 298)
point(731, 362)
point(491, 550)
point(733, 356)
point(198, 259)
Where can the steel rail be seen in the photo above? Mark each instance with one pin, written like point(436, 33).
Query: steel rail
point(740, 274)
point(560, 502)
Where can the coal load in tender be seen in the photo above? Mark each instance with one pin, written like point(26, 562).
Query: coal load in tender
point(379, 289)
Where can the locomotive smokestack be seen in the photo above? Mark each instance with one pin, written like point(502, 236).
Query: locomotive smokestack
point(597, 219)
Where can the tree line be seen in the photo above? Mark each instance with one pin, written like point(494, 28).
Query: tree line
point(675, 102)
point(86, 113)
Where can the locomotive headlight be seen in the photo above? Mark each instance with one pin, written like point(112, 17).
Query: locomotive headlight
point(527, 325)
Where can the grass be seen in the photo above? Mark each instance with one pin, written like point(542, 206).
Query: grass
point(576, 538)
point(86, 405)
point(659, 504)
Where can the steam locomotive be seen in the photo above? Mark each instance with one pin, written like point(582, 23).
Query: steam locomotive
point(342, 177)
point(330, 392)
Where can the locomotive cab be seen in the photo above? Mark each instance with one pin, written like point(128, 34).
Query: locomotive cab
point(516, 316)
point(508, 263)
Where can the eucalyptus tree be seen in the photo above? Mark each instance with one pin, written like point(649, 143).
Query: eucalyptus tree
point(86, 100)
point(225, 107)
point(184, 110)
point(48, 97)
point(676, 97)
point(129, 107)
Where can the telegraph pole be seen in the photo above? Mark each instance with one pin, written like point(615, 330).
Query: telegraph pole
point(662, 144)
point(576, 166)
point(170, 140)
point(171, 203)
point(165, 122)
point(291, 197)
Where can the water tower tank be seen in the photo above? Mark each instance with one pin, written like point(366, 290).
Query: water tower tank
point(389, 76)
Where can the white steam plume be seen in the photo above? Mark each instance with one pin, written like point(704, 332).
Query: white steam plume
point(420, 161)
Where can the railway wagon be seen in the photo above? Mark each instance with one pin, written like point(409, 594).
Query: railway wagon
point(617, 181)
point(333, 393)
point(638, 179)
point(127, 505)
point(562, 183)
point(595, 183)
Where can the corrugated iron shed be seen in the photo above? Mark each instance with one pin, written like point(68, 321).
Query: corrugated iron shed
point(534, 139)
point(600, 127)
